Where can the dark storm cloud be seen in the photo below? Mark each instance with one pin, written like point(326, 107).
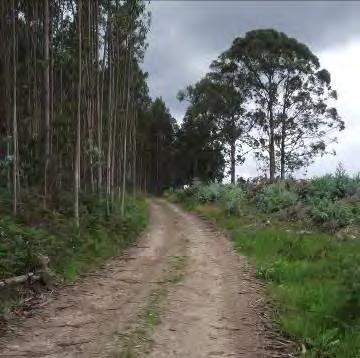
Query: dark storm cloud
point(186, 36)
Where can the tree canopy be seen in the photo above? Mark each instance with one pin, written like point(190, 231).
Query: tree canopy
point(75, 110)
point(267, 93)
point(76, 114)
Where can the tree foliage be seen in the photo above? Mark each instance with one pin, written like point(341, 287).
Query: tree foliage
point(267, 92)
point(74, 101)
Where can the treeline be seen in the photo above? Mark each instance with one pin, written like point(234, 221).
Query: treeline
point(75, 111)
point(76, 115)
point(266, 94)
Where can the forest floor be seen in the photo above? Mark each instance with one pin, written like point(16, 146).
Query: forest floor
point(180, 292)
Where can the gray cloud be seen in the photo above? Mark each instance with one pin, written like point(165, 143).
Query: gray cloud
point(187, 35)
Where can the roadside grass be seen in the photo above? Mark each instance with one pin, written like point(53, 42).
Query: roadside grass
point(313, 278)
point(72, 251)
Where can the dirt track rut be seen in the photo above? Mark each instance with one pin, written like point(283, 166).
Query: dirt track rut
point(212, 309)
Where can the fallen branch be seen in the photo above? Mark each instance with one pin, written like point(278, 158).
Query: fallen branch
point(29, 277)
point(42, 274)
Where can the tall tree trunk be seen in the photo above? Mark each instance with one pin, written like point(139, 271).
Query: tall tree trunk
point(134, 156)
point(157, 180)
point(47, 97)
point(15, 131)
point(90, 86)
point(125, 130)
point(232, 161)
point(100, 121)
point(78, 122)
point(271, 143)
point(98, 98)
point(114, 133)
point(282, 149)
point(35, 81)
point(109, 124)
point(7, 58)
point(283, 131)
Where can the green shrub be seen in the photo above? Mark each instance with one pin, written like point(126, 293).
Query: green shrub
point(231, 198)
point(171, 194)
point(99, 236)
point(275, 197)
point(333, 200)
point(335, 214)
point(327, 187)
point(335, 186)
point(204, 193)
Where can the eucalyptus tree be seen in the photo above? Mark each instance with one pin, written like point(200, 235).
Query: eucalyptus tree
point(198, 151)
point(218, 100)
point(72, 79)
point(155, 147)
point(15, 183)
point(78, 115)
point(6, 46)
point(200, 132)
point(229, 99)
point(72, 92)
point(47, 96)
point(291, 98)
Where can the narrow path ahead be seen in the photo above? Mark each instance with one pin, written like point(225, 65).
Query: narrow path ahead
point(207, 303)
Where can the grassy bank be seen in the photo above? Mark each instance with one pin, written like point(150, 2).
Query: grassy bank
point(72, 251)
point(313, 276)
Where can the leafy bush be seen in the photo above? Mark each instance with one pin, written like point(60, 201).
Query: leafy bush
point(328, 187)
point(276, 197)
point(98, 237)
point(333, 200)
point(333, 187)
point(334, 213)
point(204, 193)
point(231, 198)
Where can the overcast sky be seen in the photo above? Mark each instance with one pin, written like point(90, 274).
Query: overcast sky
point(186, 36)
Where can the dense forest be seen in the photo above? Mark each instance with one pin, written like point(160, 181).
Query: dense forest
point(76, 115)
point(81, 139)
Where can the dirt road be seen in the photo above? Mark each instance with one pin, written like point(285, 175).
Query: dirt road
point(181, 292)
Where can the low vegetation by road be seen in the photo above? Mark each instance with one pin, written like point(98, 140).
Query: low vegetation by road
point(180, 292)
point(303, 238)
point(72, 251)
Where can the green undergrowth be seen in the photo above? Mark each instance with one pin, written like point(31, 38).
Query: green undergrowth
point(329, 203)
point(72, 251)
point(313, 278)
